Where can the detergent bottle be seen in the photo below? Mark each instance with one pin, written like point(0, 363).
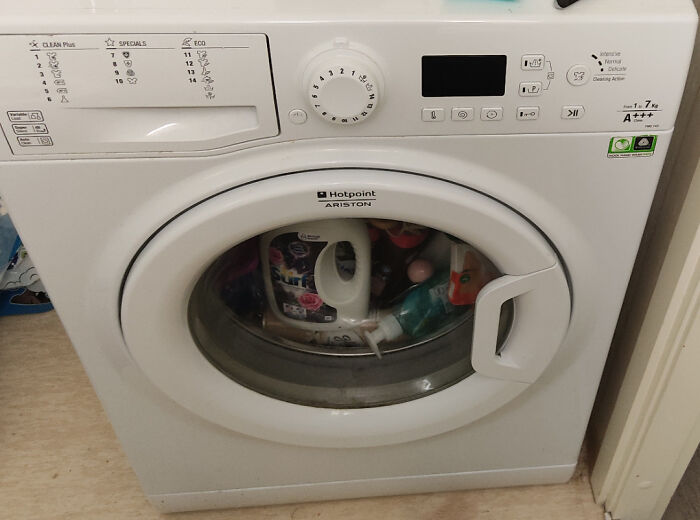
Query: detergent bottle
point(425, 309)
point(317, 274)
point(469, 273)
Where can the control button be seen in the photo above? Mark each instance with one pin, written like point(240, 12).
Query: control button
point(35, 141)
point(462, 114)
point(532, 62)
point(433, 114)
point(23, 116)
point(297, 116)
point(24, 129)
point(530, 88)
point(572, 112)
point(528, 113)
point(578, 75)
point(343, 86)
point(492, 114)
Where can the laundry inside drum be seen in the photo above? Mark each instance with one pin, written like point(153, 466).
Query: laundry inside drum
point(344, 313)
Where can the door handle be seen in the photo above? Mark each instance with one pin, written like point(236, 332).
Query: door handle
point(540, 322)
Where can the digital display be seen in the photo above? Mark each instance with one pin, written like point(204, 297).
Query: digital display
point(445, 76)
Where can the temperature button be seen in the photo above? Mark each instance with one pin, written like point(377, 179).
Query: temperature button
point(433, 114)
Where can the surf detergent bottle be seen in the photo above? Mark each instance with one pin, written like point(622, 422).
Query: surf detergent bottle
point(317, 274)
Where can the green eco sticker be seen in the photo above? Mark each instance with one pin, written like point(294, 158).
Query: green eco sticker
point(632, 146)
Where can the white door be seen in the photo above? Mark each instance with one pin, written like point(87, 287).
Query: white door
point(345, 307)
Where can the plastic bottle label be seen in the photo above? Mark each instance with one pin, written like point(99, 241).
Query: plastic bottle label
point(292, 262)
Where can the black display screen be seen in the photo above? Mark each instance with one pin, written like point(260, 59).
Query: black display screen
point(445, 76)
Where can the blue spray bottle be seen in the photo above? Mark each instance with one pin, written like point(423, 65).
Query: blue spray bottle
point(425, 309)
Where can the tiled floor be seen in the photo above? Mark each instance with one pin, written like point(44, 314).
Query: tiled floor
point(59, 458)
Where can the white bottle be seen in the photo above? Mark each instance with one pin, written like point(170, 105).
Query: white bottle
point(303, 280)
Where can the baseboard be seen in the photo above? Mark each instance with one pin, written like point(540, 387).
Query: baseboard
point(316, 492)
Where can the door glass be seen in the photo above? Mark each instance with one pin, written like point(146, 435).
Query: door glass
point(343, 313)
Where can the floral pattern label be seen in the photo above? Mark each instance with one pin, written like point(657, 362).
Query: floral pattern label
point(292, 262)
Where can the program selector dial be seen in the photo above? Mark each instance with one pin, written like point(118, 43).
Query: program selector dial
point(343, 86)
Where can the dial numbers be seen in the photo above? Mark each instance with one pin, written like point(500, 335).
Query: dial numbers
point(343, 94)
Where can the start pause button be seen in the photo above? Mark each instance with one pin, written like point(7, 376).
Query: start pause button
point(572, 112)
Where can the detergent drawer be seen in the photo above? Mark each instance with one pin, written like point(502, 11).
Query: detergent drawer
point(96, 93)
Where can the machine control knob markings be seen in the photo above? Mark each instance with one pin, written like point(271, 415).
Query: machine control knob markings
point(343, 87)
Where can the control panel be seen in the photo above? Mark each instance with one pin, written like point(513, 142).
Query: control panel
point(201, 91)
point(70, 93)
point(471, 77)
point(468, 78)
point(531, 91)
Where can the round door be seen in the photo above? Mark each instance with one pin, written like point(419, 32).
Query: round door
point(345, 307)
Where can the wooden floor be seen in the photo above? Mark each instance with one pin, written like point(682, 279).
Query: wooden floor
point(59, 458)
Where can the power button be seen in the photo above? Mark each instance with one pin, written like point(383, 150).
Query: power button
point(297, 116)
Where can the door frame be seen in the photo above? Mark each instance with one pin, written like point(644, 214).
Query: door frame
point(160, 342)
point(652, 436)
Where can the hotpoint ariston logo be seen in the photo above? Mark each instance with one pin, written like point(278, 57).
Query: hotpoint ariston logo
point(346, 198)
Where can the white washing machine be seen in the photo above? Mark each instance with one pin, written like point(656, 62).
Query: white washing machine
point(310, 251)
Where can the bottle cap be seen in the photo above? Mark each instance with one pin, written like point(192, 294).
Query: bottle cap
point(387, 329)
point(420, 270)
point(374, 233)
point(408, 240)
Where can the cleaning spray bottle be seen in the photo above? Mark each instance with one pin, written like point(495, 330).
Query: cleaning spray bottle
point(425, 309)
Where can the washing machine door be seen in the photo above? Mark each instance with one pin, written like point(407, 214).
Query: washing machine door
point(345, 308)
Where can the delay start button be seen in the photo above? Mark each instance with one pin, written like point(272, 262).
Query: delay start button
point(492, 113)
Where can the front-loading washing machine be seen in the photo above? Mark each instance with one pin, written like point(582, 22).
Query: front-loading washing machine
point(309, 251)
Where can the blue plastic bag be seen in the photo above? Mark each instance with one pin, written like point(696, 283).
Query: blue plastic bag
point(21, 290)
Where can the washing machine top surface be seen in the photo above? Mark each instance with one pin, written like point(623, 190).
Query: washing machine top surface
point(395, 10)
